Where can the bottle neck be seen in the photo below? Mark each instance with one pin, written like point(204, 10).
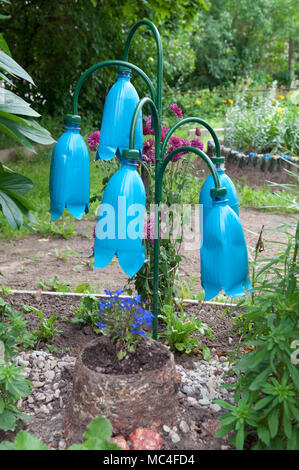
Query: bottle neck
point(74, 128)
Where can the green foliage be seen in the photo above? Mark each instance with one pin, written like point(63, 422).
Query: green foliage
point(124, 320)
point(262, 124)
point(54, 285)
point(13, 330)
point(87, 313)
point(46, 325)
point(245, 38)
point(267, 378)
point(97, 437)
point(13, 385)
point(182, 332)
point(13, 204)
point(96, 38)
point(16, 121)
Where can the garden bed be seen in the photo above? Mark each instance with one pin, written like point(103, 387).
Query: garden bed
point(260, 162)
point(50, 367)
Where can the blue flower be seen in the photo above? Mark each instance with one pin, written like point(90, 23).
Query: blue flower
point(101, 325)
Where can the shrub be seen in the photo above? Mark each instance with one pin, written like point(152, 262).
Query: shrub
point(264, 123)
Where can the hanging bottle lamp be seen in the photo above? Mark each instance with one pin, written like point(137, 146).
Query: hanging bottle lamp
point(119, 108)
point(224, 259)
point(69, 172)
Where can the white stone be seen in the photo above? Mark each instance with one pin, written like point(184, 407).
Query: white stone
point(166, 428)
point(204, 402)
point(192, 401)
point(215, 407)
point(184, 427)
point(174, 436)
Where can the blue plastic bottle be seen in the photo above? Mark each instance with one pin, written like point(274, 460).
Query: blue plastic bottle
point(224, 258)
point(225, 181)
point(70, 172)
point(119, 108)
point(121, 217)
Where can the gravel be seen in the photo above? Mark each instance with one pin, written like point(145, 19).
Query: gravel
point(51, 379)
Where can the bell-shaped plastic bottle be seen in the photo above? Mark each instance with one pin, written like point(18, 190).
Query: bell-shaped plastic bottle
point(119, 108)
point(70, 174)
point(224, 257)
point(120, 220)
point(225, 181)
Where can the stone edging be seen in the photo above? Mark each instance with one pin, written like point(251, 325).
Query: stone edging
point(264, 162)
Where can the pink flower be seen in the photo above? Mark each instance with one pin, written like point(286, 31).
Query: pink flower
point(198, 132)
point(148, 153)
point(93, 141)
point(177, 110)
point(147, 130)
point(197, 143)
point(149, 228)
point(164, 130)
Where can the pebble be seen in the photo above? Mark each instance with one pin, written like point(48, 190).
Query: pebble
point(184, 427)
point(174, 436)
point(197, 387)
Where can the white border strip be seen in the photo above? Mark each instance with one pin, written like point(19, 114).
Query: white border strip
point(76, 294)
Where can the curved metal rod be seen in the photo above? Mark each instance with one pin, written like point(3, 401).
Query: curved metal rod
point(108, 63)
point(157, 37)
point(156, 124)
point(185, 121)
point(169, 157)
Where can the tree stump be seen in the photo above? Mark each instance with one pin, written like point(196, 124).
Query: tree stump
point(138, 391)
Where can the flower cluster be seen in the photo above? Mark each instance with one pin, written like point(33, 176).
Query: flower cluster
point(149, 228)
point(93, 141)
point(124, 320)
point(148, 153)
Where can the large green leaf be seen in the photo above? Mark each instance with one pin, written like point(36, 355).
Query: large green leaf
point(11, 211)
point(99, 427)
point(10, 130)
point(7, 421)
point(11, 103)
point(4, 45)
point(10, 66)
point(15, 182)
point(26, 441)
point(27, 129)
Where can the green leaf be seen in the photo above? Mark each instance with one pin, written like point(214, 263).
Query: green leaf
point(263, 402)
point(12, 103)
point(8, 421)
point(15, 182)
point(10, 130)
point(11, 211)
point(260, 378)
point(77, 447)
point(100, 428)
point(264, 434)
point(225, 404)
point(240, 438)
point(26, 441)
point(10, 66)
point(5, 445)
point(273, 421)
point(287, 421)
point(28, 129)
point(4, 45)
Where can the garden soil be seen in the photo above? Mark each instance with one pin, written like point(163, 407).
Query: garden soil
point(29, 263)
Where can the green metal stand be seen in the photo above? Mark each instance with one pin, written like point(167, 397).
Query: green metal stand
point(155, 104)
